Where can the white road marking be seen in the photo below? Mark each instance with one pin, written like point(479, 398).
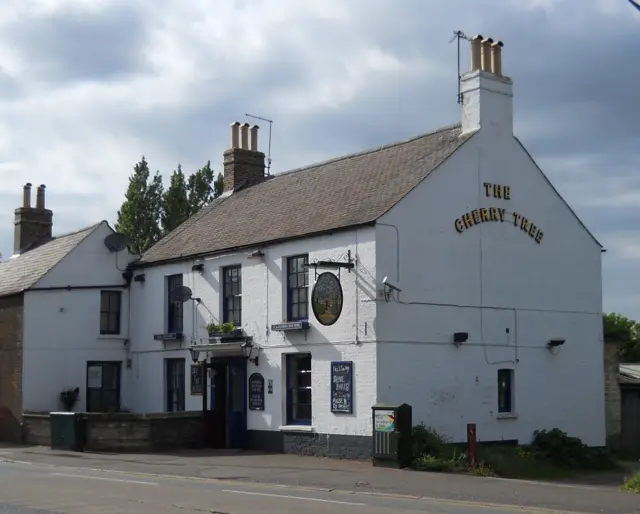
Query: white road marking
point(295, 497)
point(104, 478)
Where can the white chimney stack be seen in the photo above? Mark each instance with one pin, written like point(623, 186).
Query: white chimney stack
point(487, 95)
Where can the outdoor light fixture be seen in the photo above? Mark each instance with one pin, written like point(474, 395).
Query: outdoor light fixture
point(195, 354)
point(247, 347)
point(460, 337)
point(554, 343)
point(198, 267)
point(256, 254)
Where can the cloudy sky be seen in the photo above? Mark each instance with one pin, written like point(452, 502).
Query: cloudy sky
point(88, 86)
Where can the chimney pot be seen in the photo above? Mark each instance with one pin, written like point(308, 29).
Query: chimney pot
point(244, 136)
point(26, 195)
point(486, 54)
point(254, 138)
point(40, 196)
point(476, 53)
point(234, 134)
point(496, 58)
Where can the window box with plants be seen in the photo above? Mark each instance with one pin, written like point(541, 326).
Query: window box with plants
point(224, 332)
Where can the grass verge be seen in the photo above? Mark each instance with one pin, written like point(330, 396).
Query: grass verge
point(633, 484)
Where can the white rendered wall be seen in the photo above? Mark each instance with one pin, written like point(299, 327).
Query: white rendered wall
point(536, 291)
point(62, 328)
point(264, 304)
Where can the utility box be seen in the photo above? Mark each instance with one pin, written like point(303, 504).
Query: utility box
point(67, 431)
point(392, 435)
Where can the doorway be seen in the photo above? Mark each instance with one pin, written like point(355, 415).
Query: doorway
point(226, 419)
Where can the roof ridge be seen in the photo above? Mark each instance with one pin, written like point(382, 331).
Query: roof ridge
point(368, 151)
point(77, 231)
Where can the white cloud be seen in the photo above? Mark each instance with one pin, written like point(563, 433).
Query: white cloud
point(172, 74)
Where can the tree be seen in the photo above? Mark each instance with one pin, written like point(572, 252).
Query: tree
point(625, 331)
point(139, 214)
point(175, 202)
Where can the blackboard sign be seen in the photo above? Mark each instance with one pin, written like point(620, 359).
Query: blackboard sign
point(196, 379)
point(256, 392)
point(342, 387)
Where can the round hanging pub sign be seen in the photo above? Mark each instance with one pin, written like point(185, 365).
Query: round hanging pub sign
point(326, 298)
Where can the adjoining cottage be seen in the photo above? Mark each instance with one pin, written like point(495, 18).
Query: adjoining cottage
point(61, 299)
point(444, 271)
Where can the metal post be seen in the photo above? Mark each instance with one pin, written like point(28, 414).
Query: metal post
point(472, 444)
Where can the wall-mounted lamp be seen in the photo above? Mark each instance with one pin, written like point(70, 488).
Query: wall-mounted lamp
point(195, 354)
point(198, 267)
point(460, 337)
point(554, 343)
point(140, 277)
point(247, 347)
point(256, 255)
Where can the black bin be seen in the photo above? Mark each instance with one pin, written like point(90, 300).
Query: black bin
point(392, 435)
point(67, 431)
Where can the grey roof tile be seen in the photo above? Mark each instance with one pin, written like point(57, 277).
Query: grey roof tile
point(348, 191)
point(20, 273)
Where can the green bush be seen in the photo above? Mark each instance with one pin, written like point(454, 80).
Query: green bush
point(556, 447)
point(633, 484)
point(427, 442)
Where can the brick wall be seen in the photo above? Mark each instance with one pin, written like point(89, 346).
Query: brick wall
point(612, 396)
point(123, 432)
point(10, 368)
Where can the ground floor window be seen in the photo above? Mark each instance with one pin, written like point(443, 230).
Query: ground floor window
point(298, 367)
point(103, 386)
point(175, 384)
point(505, 390)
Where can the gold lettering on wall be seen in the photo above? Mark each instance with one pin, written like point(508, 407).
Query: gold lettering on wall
point(498, 214)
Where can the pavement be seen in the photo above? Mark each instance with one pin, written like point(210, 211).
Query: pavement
point(310, 477)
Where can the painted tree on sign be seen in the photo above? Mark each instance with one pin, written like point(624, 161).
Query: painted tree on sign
point(624, 331)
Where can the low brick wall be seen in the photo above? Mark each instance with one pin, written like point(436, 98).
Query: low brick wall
point(124, 432)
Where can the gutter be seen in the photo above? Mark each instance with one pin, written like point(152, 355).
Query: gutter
point(73, 288)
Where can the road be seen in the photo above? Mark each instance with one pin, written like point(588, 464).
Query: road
point(35, 488)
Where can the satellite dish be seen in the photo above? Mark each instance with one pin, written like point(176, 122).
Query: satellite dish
point(116, 242)
point(181, 294)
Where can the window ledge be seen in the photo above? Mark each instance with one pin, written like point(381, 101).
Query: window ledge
point(296, 428)
point(507, 415)
point(111, 336)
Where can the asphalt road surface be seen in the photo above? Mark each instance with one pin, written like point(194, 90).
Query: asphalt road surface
point(33, 489)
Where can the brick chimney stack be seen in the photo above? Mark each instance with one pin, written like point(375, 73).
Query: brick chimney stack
point(243, 163)
point(487, 95)
point(33, 225)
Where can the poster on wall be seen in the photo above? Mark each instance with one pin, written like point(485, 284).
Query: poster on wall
point(342, 387)
point(256, 392)
point(384, 421)
point(196, 379)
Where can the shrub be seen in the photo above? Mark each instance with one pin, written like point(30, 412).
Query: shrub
point(632, 485)
point(562, 450)
point(427, 442)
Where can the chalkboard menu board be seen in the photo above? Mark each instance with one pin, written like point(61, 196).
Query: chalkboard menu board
point(196, 379)
point(342, 387)
point(256, 392)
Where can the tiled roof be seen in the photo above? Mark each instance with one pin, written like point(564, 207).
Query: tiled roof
point(20, 273)
point(344, 192)
point(630, 374)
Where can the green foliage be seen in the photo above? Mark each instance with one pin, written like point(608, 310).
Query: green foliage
point(139, 214)
point(427, 442)
point(632, 485)
point(624, 331)
point(149, 213)
point(224, 328)
point(556, 447)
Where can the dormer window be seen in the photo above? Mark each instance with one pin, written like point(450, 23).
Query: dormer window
point(297, 288)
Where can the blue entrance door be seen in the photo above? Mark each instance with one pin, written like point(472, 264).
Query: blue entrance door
point(237, 403)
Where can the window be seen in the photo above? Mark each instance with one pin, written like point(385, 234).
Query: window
point(297, 288)
point(298, 389)
point(175, 384)
point(232, 295)
point(103, 386)
point(110, 302)
point(174, 307)
point(505, 390)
